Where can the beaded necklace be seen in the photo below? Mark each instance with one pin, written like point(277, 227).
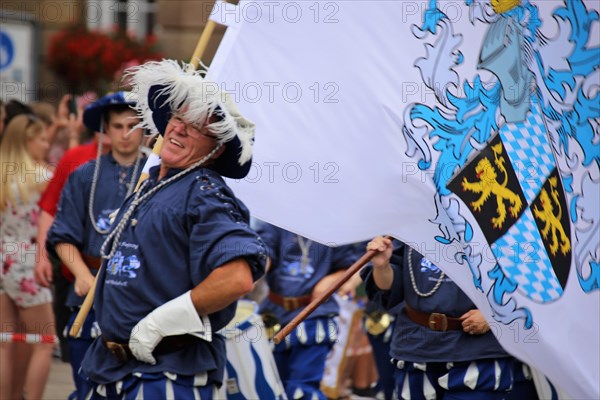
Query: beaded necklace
point(95, 182)
point(115, 236)
point(304, 248)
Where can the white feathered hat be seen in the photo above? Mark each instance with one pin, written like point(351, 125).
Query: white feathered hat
point(167, 86)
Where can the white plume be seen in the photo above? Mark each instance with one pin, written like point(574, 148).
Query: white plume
point(184, 86)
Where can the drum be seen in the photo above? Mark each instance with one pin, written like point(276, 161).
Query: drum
point(250, 371)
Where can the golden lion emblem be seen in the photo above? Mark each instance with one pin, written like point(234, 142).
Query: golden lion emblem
point(552, 221)
point(488, 184)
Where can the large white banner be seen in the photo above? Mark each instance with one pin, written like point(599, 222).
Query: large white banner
point(468, 130)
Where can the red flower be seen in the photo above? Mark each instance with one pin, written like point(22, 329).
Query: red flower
point(87, 60)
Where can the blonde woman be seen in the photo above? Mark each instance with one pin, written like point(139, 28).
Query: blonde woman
point(24, 305)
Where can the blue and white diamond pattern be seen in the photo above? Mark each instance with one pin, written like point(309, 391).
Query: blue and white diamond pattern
point(523, 257)
point(529, 150)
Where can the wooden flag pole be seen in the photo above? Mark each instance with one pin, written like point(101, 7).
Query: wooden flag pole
point(84, 309)
point(207, 32)
point(354, 268)
point(202, 44)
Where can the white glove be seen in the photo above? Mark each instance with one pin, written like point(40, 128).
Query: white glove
point(175, 317)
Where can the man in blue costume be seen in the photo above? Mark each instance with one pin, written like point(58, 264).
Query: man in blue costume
point(442, 346)
point(181, 251)
point(91, 194)
point(301, 270)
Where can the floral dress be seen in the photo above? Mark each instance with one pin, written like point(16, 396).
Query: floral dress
point(18, 254)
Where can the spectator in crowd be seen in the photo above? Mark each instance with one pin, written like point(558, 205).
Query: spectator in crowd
point(13, 108)
point(25, 306)
point(65, 127)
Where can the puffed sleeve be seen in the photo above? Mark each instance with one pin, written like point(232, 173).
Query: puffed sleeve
point(221, 233)
point(69, 222)
point(271, 235)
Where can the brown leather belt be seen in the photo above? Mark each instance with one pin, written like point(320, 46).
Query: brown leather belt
point(167, 345)
point(434, 321)
point(92, 262)
point(120, 350)
point(290, 303)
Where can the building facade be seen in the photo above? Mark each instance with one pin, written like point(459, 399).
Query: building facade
point(27, 27)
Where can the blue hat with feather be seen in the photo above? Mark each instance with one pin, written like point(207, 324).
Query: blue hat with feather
point(93, 114)
point(167, 86)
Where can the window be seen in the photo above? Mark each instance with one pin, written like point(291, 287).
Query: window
point(137, 17)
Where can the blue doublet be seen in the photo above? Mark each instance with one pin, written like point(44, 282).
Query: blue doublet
point(300, 358)
point(287, 277)
point(72, 222)
point(173, 241)
point(418, 343)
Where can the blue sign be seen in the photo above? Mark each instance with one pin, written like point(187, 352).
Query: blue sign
point(7, 51)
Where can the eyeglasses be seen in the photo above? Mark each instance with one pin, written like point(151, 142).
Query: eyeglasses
point(190, 129)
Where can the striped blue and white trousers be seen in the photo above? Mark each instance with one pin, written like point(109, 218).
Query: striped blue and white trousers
point(480, 379)
point(155, 386)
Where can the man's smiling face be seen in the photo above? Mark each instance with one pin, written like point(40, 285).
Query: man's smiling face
point(186, 143)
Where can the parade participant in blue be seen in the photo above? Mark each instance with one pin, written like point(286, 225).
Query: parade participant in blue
point(301, 270)
point(378, 324)
point(92, 193)
point(180, 252)
point(442, 346)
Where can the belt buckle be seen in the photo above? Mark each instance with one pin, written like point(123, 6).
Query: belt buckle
point(118, 350)
point(438, 322)
point(290, 303)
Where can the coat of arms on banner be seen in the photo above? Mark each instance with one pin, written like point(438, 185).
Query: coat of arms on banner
point(524, 219)
point(523, 146)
